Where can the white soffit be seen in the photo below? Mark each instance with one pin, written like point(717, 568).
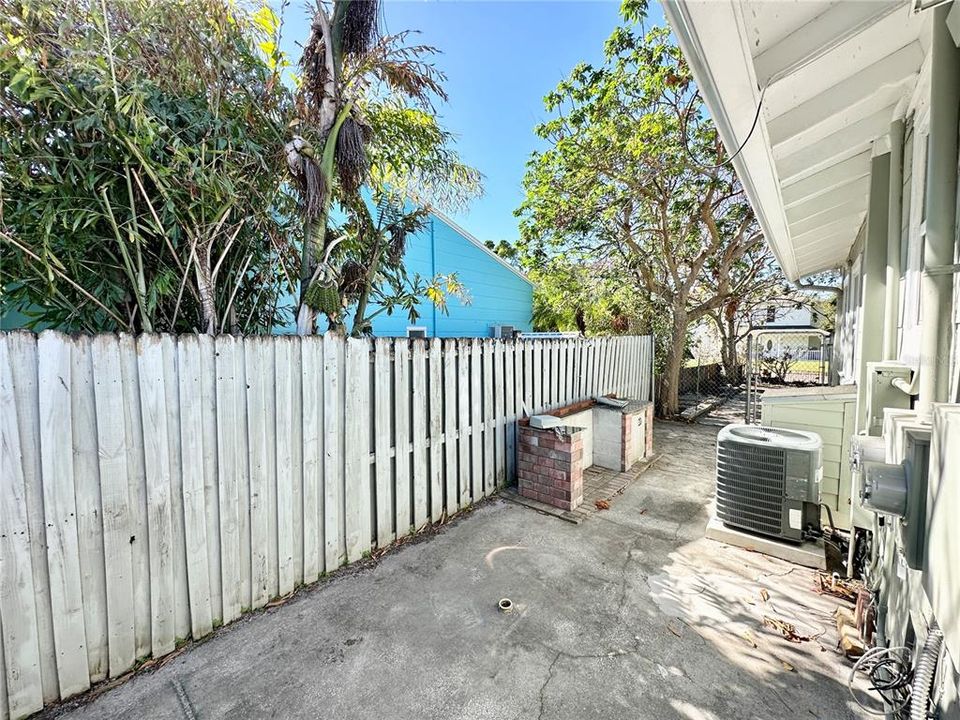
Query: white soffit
point(836, 73)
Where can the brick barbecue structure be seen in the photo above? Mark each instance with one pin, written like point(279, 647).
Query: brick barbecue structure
point(550, 465)
point(551, 460)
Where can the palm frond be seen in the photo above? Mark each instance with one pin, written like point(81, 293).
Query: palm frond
point(405, 70)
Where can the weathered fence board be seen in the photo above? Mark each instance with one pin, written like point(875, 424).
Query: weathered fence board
point(232, 462)
point(155, 487)
point(21, 650)
point(258, 374)
point(463, 420)
point(334, 444)
point(401, 422)
point(194, 506)
point(86, 473)
point(450, 425)
point(435, 414)
point(488, 424)
point(383, 403)
point(288, 422)
point(421, 489)
point(476, 428)
point(160, 525)
point(117, 508)
point(311, 379)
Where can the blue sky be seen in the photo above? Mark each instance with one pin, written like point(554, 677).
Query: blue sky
point(500, 58)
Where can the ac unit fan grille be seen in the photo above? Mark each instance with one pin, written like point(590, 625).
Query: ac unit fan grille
point(750, 486)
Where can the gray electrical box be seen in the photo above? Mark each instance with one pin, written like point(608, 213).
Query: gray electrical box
point(899, 489)
point(916, 465)
point(884, 489)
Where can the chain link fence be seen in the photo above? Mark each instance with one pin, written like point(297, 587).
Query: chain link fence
point(763, 360)
point(784, 358)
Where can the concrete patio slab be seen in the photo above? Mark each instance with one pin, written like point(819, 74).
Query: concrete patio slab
point(631, 614)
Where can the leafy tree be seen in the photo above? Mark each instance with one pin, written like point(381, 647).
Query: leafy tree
point(758, 284)
point(364, 118)
point(141, 185)
point(635, 179)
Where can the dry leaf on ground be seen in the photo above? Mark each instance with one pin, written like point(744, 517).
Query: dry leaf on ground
point(788, 630)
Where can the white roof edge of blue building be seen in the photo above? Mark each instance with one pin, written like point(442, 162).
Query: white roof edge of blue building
point(472, 238)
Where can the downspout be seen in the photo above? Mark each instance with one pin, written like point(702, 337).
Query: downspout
point(936, 287)
point(873, 268)
point(894, 215)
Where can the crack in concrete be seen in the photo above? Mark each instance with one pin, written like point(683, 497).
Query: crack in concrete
point(186, 707)
point(603, 655)
point(634, 545)
point(543, 688)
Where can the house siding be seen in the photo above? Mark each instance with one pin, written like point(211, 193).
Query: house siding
point(496, 295)
point(912, 599)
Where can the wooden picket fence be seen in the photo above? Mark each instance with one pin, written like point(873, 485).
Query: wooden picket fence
point(156, 487)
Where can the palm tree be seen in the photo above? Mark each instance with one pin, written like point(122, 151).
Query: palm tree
point(346, 69)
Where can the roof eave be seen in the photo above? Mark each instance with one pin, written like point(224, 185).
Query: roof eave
point(738, 75)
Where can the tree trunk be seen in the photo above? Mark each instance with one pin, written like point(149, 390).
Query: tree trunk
point(670, 386)
point(728, 351)
point(315, 235)
point(306, 320)
point(205, 290)
point(358, 316)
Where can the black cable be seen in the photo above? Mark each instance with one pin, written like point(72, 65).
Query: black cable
point(829, 515)
point(753, 126)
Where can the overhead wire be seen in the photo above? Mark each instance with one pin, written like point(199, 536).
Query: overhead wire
point(753, 127)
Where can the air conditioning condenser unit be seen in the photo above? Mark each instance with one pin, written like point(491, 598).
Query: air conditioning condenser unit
point(768, 480)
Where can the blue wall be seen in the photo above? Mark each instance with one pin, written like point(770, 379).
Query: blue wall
point(497, 295)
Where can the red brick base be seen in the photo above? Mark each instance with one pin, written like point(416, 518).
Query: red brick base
point(550, 465)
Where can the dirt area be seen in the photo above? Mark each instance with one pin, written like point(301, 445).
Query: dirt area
point(631, 614)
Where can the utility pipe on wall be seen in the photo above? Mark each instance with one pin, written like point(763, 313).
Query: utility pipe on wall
point(941, 212)
point(873, 278)
point(894, 216)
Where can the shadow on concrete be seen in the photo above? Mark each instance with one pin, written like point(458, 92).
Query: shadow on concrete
point(632, 614)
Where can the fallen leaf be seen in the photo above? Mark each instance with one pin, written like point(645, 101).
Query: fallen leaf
point(643, 511)
point(787, 666)
point(788, 630)
point(749, 638)
point(764, 594)
point(602, 505)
